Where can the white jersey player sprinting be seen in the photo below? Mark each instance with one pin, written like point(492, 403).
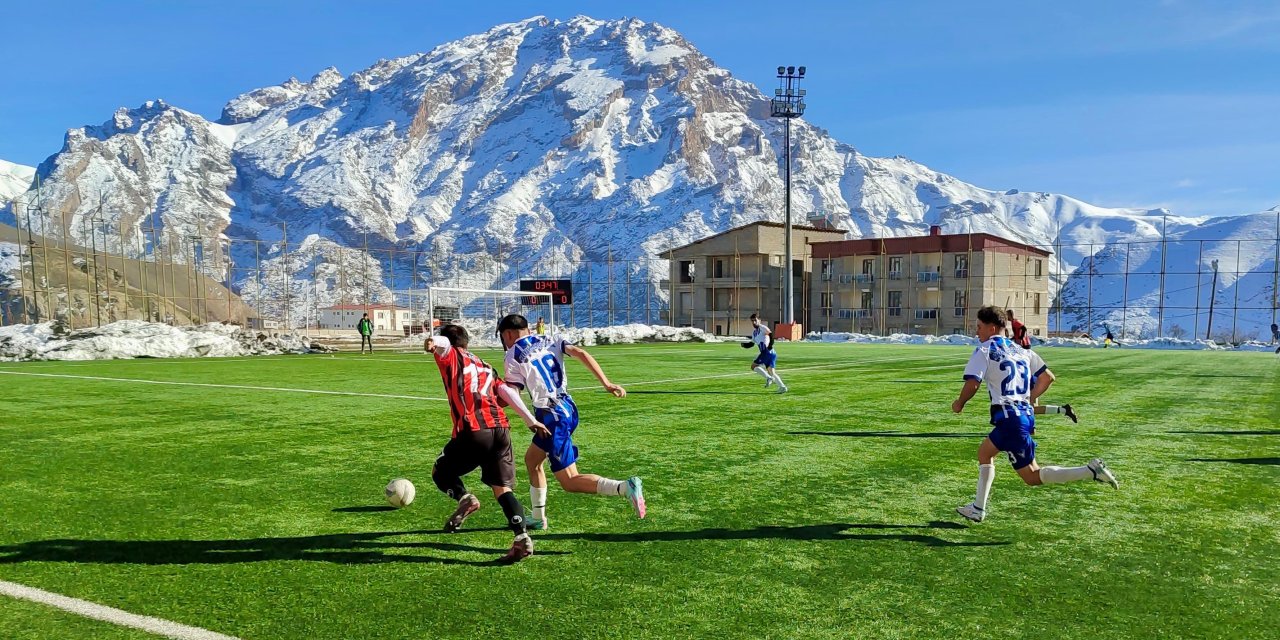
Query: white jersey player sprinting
point(536, 364)
point(1008, 370)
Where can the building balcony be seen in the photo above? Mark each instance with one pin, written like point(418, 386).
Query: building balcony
point(864, 277)
point(928, 276)
point(926, 314)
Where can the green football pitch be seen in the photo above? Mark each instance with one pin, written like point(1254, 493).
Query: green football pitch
point(238, 496)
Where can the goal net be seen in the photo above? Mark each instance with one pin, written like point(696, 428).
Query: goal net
point(478, 310)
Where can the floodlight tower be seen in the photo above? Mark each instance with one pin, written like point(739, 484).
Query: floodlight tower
point(788, 103)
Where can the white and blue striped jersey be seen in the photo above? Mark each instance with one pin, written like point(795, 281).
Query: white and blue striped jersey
point(1007, 369)
point(536, 363)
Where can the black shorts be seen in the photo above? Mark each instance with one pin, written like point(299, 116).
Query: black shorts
point(489, 449)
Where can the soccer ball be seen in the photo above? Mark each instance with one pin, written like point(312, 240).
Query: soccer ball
point(400, 493)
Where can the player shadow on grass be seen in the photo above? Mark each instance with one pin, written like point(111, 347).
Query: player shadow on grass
point(1262, 461)
point(339, 548)
point(1228, 433)
point(834, 531)
point(883, 434)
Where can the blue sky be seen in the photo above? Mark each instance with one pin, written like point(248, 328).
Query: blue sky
point(1139, 103)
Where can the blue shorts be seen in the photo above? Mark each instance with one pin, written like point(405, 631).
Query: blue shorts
point(768, 359)
point(561, 420)
point(1012, 433)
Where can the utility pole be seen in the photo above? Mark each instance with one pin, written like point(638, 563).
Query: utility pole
point(1164, 251)
point(788, 103)
point(1213, 295)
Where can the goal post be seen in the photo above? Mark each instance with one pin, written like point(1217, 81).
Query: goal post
point(476, 309)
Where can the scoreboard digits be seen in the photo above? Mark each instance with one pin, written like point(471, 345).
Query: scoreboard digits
point(561, 291)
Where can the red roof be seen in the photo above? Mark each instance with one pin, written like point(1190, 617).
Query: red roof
point(359, 307)
point(954, 243)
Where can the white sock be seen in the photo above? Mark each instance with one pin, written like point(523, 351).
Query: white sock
point(1052, 408)
point(986, 476)
point(607, 487)
point(760, 370)
point(538, 500)
point(778, 379)
point(1059, 475)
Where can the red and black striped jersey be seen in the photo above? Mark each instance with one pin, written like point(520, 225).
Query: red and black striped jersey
point(473, 399)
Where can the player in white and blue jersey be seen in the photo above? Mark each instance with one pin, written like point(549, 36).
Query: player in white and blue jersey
point(535, 363)
point(767, 360)
point(1008, 370)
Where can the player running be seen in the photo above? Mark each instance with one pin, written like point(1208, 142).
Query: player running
point(536, 364)
point(762, 338)
point(1007, 369)
point(481, 436)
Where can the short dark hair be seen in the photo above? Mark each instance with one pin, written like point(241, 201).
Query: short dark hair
point(365, 313)
point(456, 334)
point(1009, 314)
point(753, 317)
point(513, 322)
point(991, 315)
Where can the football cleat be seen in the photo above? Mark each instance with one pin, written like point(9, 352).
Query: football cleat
point(534, 524)
point(972, 512)
point(1102, 474)
point(1070, 413)
point(768, 382)
point(782, 388)
point(635, 493)
point(521, 548)
point(467, 505)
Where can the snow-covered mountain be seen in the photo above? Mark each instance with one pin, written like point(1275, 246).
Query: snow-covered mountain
point(523, 151)
point(15, 179)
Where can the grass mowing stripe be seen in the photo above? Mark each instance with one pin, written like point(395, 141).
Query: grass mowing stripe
point(223, 386)
point(160, 627)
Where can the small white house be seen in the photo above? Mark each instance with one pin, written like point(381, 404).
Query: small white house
point(385, 317)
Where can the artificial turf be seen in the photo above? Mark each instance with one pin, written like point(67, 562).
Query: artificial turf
point(827, 512)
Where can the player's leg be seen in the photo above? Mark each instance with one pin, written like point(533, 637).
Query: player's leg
point(771, 367)
point(632, 488)
point(1064, 409)
point(533, 462)
point(1096, 470)
point(977, 510)
point(757, 366)
point(498, 470)
point(454, 462)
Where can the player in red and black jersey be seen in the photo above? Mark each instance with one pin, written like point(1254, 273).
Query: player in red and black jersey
point(1022, 338)
point(481, 436)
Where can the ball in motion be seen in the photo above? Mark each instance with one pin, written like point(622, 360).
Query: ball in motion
point(400, 493)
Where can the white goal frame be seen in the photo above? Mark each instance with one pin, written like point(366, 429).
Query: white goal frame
point(432, 294)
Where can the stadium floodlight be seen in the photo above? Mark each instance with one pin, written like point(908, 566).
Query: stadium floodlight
point(478, 310)
point(787, 104)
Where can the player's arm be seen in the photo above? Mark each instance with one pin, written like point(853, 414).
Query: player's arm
point(439, 345)
point(511, 396)
point(1043, 380)
point(967, 392)
point(574, 351)
point(973, 372)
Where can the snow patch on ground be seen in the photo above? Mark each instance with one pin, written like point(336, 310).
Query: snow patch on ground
point(483, 336)
point(1084, 343)
point(139, 339)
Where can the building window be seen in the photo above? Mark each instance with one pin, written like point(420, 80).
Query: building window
point(1039, 269)
point(869, 266)
point(961, 303)
point(962, 266)
point(825, 301)
point(826, 269)
point(381, 315)
point(895, 268)
point(687, 271)
point(895, 303)
point(719, 268)
point(1036, 307)
point(866, 299)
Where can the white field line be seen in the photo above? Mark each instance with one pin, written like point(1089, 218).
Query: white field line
point(157, 626)
point(223, 386)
